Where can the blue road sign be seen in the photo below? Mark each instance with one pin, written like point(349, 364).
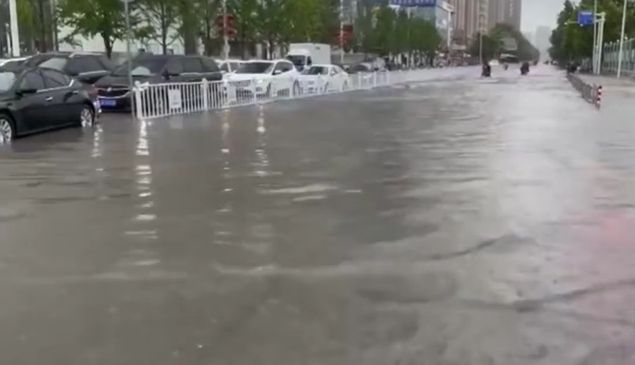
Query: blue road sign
point(415, 3)
point(586, 18)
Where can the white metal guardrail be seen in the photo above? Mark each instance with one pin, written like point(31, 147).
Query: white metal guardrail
point(167, 99)
point(589, 92)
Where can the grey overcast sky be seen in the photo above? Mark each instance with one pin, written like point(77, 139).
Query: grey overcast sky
point(540, 12)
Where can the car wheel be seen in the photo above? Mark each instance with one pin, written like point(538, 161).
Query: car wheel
point(86, 117)
point(7, 129)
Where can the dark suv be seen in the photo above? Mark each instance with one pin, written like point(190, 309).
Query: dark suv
point(114, 90)
point(85, 67)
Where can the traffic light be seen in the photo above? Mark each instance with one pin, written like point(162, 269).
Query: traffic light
point(225, 26)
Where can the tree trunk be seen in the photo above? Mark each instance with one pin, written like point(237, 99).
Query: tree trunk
point(107, 44)
point(164, 31)
point(43, 44)
point(188, 28)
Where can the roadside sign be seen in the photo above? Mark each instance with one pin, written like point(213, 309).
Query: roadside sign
point(586, 18)
point(415, 3)
point(174, 99)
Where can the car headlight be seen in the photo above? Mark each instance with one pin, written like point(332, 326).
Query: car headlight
point(260, 81)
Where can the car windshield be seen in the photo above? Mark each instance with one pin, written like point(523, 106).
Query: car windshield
point(255, 68)
point(36, 60)
point(297, 60)
point(142, 67)
point(359, 67)
point(318, 70)
point(56, 63)
point(6, 81)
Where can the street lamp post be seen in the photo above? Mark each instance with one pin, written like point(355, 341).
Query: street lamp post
point(622, 35)
point(595, 36)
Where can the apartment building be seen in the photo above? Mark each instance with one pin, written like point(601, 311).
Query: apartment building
point(505, 11)
point(470, 17)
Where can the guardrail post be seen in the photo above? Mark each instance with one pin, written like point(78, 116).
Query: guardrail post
point(374, 85)
point(598, 96)
point(136, 91)
point(205, 94)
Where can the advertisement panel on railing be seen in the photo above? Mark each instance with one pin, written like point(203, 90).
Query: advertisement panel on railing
point(415, 3)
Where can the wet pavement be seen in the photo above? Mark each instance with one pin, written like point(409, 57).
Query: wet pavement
point(460, 221)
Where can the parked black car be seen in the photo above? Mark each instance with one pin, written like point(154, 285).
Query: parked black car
point(37, 99)
point(114, 90)
point(85, 67)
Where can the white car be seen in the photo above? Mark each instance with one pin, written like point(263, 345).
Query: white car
point(262, 77)
point(228, 67)
point(325, 78)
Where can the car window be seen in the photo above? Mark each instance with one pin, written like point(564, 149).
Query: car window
point(175, 67)
point(224, 67)
point(53, 79)
point(56, 63)
point(234, 66)
point(284, 67)
point(6, 81)
point(32, 81)
point(82, 64)
point(191, 64)
point(210, 65)
point(317, 70)
point(287, 66)
point(106, 63)
point(255, 68)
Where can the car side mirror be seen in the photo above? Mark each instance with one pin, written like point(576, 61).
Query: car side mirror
point(277, 72)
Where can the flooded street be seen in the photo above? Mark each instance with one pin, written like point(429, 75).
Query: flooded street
point(458, 221)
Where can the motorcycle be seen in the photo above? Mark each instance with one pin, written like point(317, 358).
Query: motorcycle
point(524, 69)
point(487, 71)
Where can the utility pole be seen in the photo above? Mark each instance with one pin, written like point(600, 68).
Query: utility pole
point(622, 35)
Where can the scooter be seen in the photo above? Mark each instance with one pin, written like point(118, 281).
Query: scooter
point(487, 71)
point(524, 69)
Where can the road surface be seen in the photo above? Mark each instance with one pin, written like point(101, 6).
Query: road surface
point(459, 221)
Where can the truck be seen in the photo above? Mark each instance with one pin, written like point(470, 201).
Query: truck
point(303, 55)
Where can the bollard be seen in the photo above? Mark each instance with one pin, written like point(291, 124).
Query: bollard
point(598, 96)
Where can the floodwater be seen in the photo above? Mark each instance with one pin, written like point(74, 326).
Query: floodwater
point(458, 221)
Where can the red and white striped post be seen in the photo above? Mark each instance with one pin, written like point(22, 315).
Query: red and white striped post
point(598, 96)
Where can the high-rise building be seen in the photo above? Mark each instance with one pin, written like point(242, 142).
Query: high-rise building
point(470, 18)
point(476, 17)
point(505, 11)
point(459, 21)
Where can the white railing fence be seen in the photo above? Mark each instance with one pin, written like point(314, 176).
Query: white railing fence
point(167, 99)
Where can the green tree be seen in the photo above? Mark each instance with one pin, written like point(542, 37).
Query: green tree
point(209, 11)
point(247, 22)
point(384, 30)
point(92, 18)
point(160, 20)
point(36, 22)
point(491, 46)
point(188, 23)
point(569, 41)
point(424, 39)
